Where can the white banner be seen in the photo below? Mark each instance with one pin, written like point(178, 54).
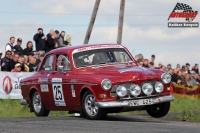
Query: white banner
point(9, 84)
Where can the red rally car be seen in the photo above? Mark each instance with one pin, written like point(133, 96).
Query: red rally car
point(96, 80)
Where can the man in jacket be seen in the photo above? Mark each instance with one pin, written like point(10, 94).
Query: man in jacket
point(5, 60)
point(50, 41)
point(13, 61)
point(18, 48)
point(40, 39)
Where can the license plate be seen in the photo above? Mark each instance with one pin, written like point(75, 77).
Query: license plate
point(140, 102)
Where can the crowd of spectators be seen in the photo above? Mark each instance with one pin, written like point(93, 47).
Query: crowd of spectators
point(186, 75)
point(17, 59)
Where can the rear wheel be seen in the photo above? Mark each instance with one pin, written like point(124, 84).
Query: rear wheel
point(91, 110)
point(38, 106)
point(158, 110)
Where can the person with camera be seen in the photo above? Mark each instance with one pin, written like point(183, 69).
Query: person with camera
point(18, 48)
point(40, 39)
point(50, 41)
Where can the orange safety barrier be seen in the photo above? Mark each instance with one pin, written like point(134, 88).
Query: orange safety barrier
point(180, 91)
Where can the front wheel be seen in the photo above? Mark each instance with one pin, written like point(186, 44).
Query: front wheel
point(158, 110)
point(91, 110)
point(38, 106)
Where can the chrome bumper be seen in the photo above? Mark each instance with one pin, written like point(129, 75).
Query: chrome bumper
point(156, 100)
point(23, 102)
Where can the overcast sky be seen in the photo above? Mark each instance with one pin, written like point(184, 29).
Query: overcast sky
point(145, 25)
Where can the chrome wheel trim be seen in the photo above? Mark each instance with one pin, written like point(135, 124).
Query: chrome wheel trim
point(37, 104)
point(90, 105)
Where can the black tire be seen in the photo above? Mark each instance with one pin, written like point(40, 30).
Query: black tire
point(37, 105)
point(90, 109)
point(158, 110)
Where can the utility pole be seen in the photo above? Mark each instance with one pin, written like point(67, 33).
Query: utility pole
point(121, 19)
point(92, 20)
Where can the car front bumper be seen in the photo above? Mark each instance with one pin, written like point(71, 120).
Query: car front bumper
point(156, 100)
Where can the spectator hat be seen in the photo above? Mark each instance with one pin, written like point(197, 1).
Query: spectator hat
point(56, 31)
point(19, 40)
point(18, 64)
point(153, 56)
point(40, 29)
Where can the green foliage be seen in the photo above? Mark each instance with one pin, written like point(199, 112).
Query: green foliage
point(188, 110)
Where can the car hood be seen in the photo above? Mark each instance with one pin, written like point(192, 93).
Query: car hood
point(123, 74)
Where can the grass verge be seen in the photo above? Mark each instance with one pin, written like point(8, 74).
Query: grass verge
point(187, 110)
point(12, 108)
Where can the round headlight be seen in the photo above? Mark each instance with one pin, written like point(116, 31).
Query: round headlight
point(147, 89)
point(159, 87)
point(106, 84)
point(135, 90)
point(166, 78)
point(121, 91)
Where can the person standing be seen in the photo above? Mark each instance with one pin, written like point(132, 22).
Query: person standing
point(40, 39)
point(61, 42)
point(9, 46)
point(29, 49)
point(5, 60)
point(18, 48)
point(50, 41)
point(56, 37)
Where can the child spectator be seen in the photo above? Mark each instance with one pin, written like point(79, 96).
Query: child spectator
point(17, 68)
point(68, 40)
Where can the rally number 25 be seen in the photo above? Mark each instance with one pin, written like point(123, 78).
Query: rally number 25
point(58, 95)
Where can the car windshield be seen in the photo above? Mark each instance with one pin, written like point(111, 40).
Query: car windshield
point(101, 56)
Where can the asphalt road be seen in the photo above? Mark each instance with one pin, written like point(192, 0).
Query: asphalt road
point(112, 124)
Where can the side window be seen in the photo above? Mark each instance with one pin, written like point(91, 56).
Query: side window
point(63, 63)
point(48, 64)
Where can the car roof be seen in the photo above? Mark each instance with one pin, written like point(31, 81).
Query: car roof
point(71, 48)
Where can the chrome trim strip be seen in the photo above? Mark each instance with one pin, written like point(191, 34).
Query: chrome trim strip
point(156, 100)
point(23, 102)
point(56, 83)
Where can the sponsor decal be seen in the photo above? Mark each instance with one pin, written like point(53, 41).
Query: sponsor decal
point(44, 88)
point(181, 11)
point(96, 47)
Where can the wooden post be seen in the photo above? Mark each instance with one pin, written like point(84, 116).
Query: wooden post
point(121, 19)
point(92, 20)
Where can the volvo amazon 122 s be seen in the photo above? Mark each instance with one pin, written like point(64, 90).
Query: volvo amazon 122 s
point(96, 80)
